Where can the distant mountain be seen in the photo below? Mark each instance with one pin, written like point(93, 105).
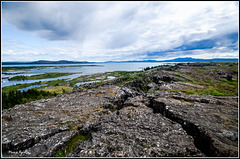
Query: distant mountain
point(46, 62)
point(186, 59)
point(189, 59)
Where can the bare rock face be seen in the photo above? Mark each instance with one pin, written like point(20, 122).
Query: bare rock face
point(212, 121)
point(133, 132)
point(39, 122)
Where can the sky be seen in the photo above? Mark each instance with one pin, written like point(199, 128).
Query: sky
point(98, 31)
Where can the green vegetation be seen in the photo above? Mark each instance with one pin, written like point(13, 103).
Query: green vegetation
point(208, 76)
point(41, 76)
point(58, 89)
point(4, 69)
point(17, 97)
point(66, 123)
point(7, 89)
point(49, 83)
point(153, 91)
point(8, 92)
point(13, 73)
point(71, 145)
point(216, 89)
point(127, 76)
point(97, 154)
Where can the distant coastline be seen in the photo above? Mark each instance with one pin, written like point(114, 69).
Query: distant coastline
point(46, 62)
point(187, 59)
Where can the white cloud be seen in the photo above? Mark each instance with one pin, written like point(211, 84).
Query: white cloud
point(124, 30)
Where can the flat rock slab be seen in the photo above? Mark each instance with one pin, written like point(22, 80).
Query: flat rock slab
point(135, 132)
point(26, 125)
point(212, 121)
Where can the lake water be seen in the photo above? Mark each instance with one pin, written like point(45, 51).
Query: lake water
point(30, 87)
point(84, 70)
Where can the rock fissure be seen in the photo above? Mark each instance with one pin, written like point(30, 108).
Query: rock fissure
point(25, 144)
point(202, 139)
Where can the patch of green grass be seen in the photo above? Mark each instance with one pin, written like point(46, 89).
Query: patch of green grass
point(146, 146)
point(132, 77)
point(212, 91)
point(129, 78)
point(58, 89)
point(66, 123)
point(71, 145)
point(41, 76)
point(209, 91)
point(55, 82)
point(208, 77)
point(18, 86)
point(153, 91)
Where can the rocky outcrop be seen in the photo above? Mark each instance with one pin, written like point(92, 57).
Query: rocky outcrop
point(127, 120)
point(212, 122)
point(37, 122)
point(134, 132)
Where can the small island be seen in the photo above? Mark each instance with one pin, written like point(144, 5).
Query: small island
point(41, 76)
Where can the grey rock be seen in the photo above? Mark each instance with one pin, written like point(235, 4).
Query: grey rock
point(211, 125)
point(135, 131)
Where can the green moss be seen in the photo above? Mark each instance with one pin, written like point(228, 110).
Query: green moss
point(66, 123)
point(71, 145)
point(97, 154)
point(146, 146)
point(153, 91)
point(212, 91)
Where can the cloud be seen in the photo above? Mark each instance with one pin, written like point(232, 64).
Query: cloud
point(124, 30)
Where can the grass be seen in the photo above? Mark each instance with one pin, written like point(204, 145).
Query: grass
point(41, 76)
point(208, 77)
point(130, 77)
point(215, 91)
point(153, 91)
point(216, 88)
point(18, 86)
point(58, 89)
point(66, 123)
point(71, 145)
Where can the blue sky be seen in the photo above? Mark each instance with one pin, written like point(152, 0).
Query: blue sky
point(105, 31)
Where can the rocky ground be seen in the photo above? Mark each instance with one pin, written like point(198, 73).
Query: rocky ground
point(146, 117)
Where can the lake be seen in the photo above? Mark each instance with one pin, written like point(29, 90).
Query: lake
point(80, 71)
